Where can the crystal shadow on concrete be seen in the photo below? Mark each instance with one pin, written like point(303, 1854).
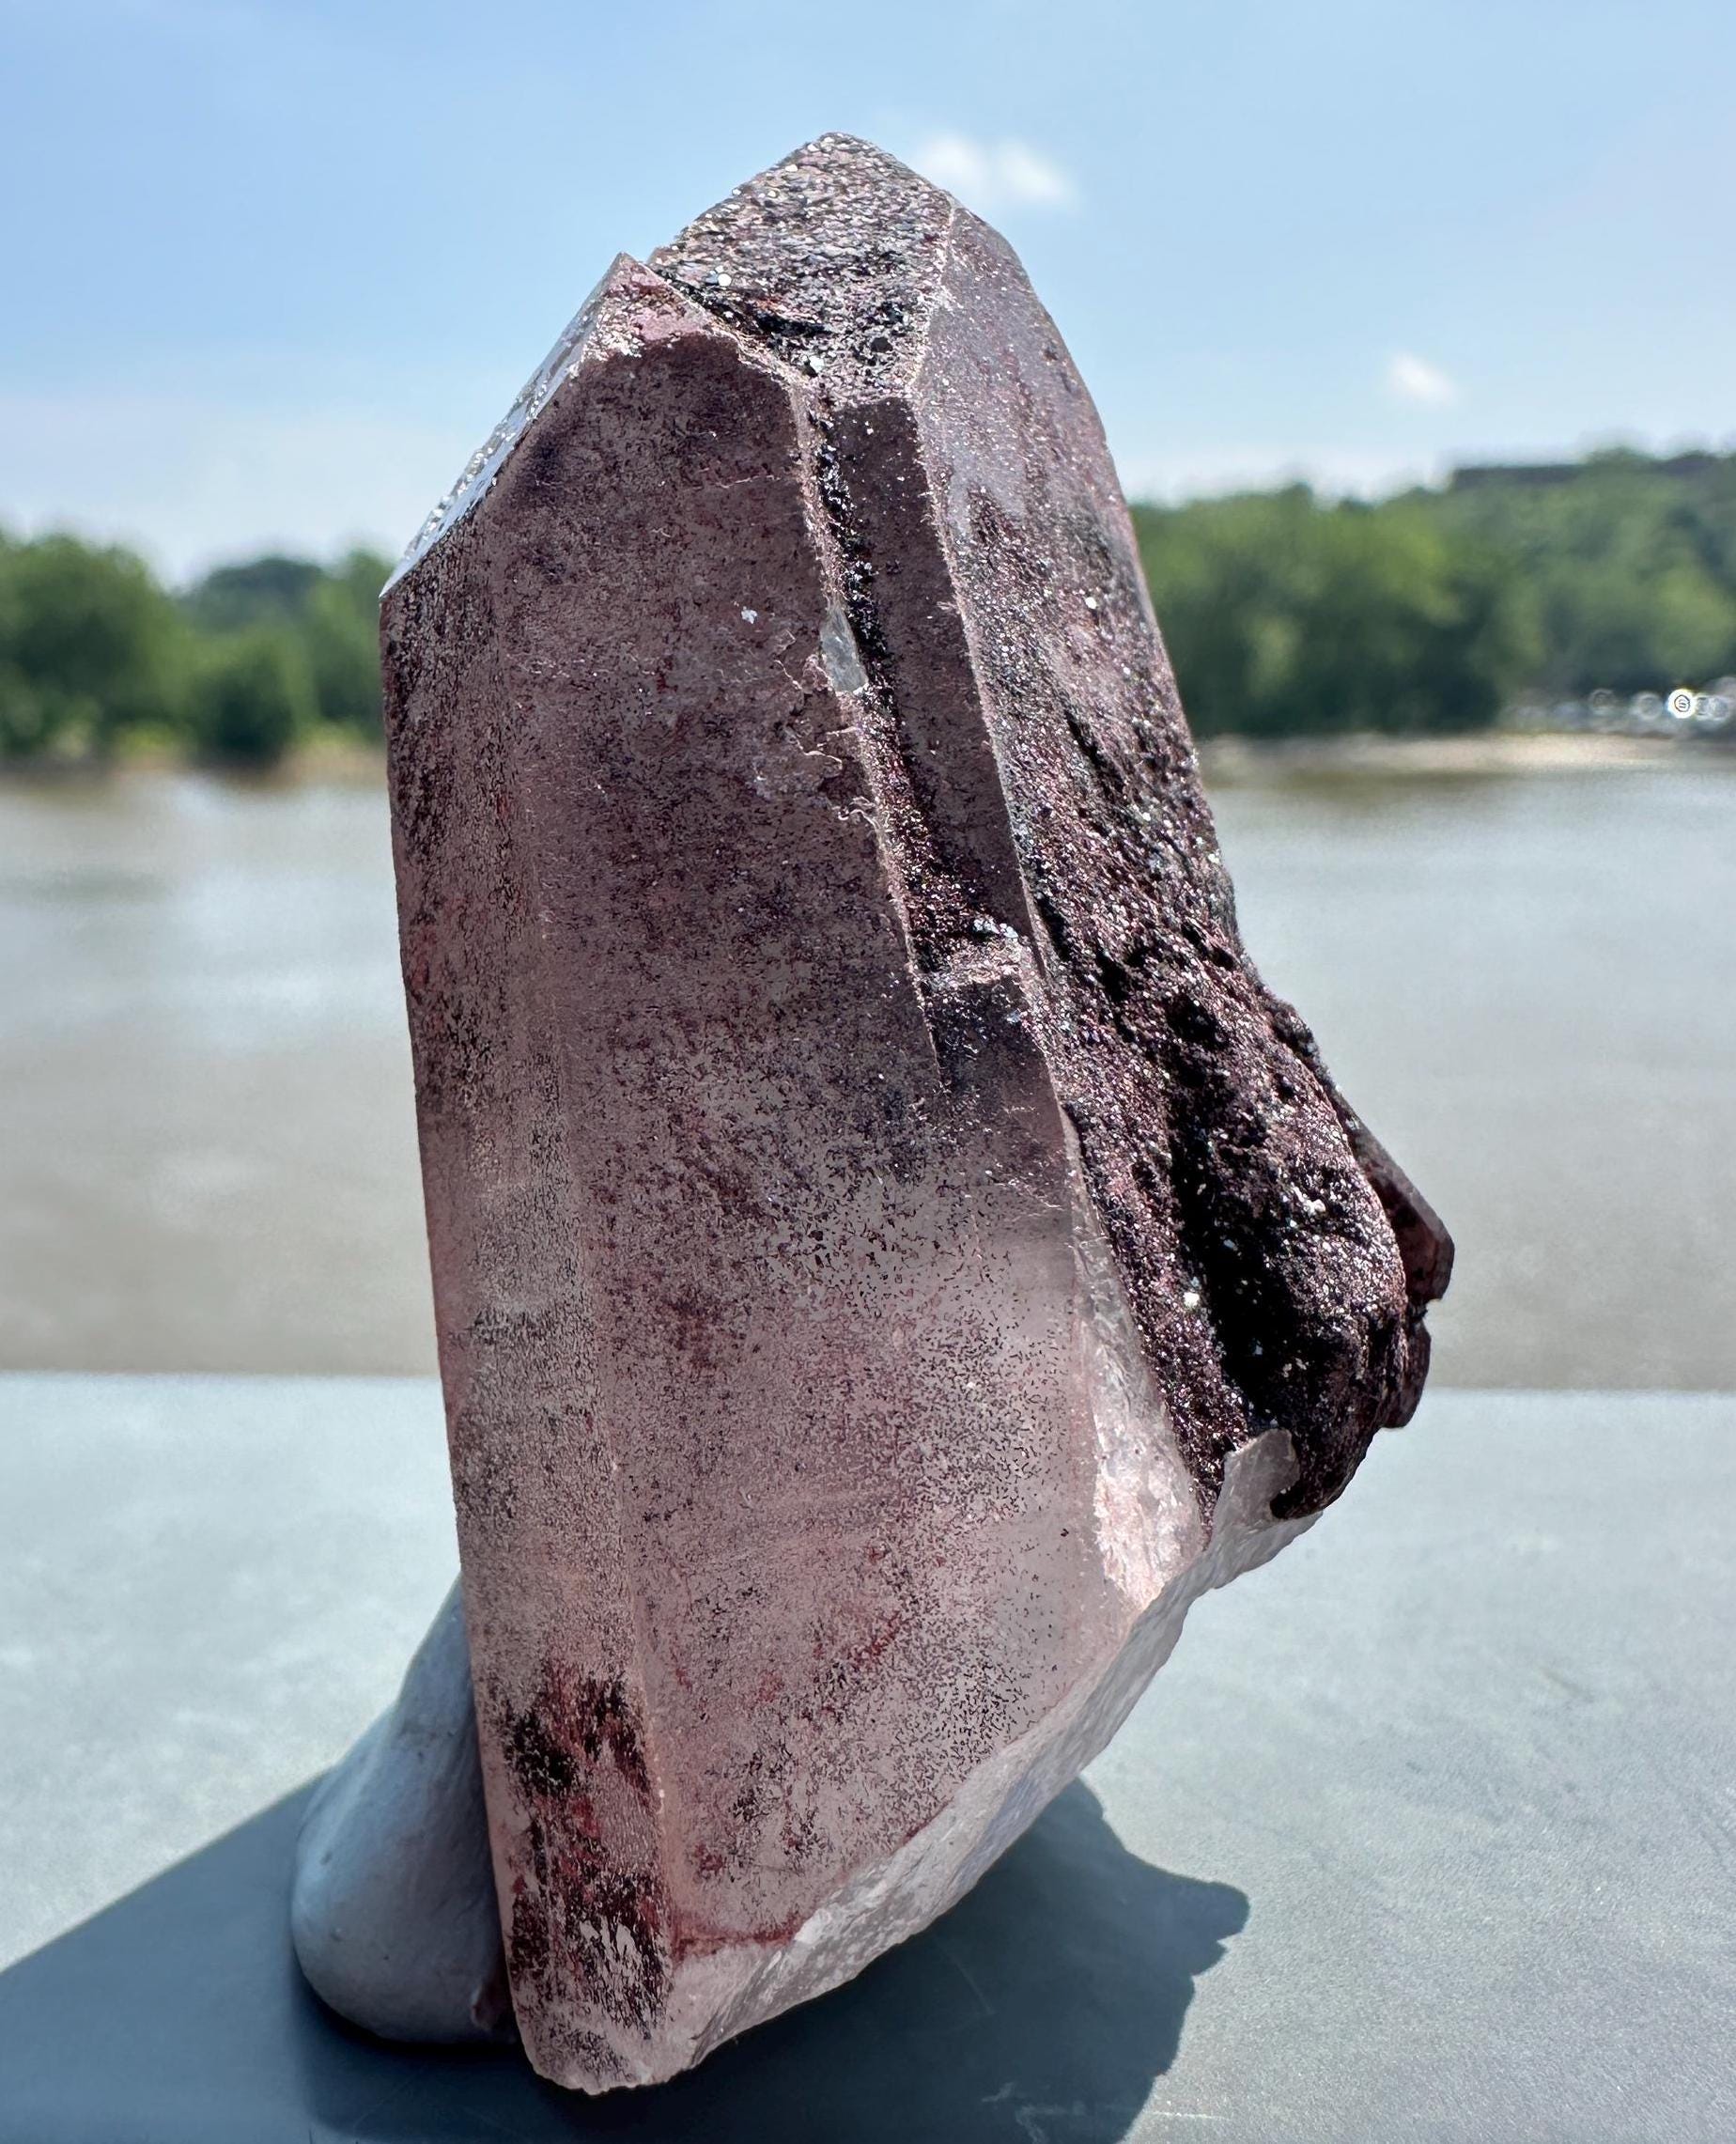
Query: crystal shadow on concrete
point(1060, 1983)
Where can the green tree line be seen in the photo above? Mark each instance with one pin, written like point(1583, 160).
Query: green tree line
point(97, 658)
point(1286, 614)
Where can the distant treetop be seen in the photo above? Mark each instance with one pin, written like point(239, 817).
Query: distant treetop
point(97, 656)
point(1286, 614)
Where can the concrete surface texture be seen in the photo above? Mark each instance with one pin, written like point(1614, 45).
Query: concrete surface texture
point(1425, 1832)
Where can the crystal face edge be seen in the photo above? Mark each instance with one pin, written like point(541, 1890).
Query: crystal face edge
point(479, 473)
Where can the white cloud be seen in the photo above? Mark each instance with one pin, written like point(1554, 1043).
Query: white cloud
point(992, 176)
point(1413, 379)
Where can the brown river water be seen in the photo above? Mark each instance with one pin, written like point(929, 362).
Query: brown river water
point(1526, 981)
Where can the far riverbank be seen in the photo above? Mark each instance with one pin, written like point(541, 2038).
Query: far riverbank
point(1236, 759)
point(344, 761)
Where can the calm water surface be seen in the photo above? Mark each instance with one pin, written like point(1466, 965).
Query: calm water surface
point(1526, 982)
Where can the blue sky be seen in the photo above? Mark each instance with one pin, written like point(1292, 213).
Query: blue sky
point(272, 270)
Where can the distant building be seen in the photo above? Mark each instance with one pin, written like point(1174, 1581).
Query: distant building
point(1480, 475)
point(1540, 475)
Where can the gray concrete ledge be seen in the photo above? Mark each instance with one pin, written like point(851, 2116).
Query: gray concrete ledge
point(1425, 1832)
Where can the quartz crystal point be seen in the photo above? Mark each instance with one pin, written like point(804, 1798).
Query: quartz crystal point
point(890, 1251)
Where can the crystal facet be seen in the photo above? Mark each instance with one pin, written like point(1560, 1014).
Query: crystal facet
point(890, 1251)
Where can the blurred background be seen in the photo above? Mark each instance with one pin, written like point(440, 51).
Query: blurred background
point(1412, 328)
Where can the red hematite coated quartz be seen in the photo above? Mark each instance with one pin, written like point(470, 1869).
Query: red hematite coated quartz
point(890, 1252)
